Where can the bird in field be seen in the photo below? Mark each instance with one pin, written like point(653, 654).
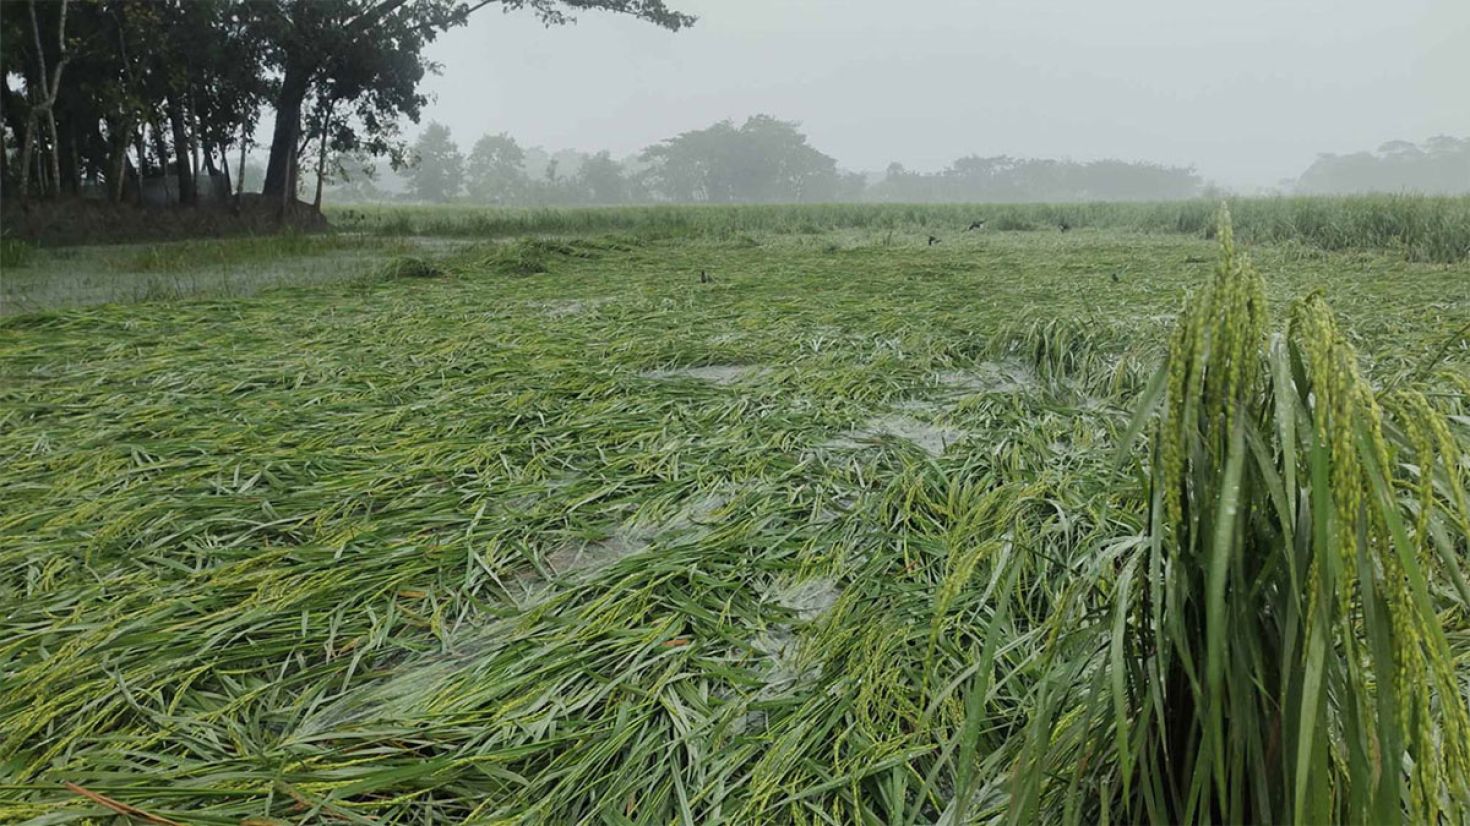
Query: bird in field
point(933, 240)
point(1065, 226)
point(1117, 276)
point(704, 277)
point(974, 225)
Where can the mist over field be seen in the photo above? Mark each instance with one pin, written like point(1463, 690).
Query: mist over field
point(1248, 93)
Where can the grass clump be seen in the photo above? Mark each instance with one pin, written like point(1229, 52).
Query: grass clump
point(408, 266)
point(534, 256)
point(15, 253)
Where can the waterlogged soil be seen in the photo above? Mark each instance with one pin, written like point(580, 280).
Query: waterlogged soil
point(712, 373)
point(563, 307)
point(931, 438)
point(1009, 376)
point(689, 522)
point(88, 275)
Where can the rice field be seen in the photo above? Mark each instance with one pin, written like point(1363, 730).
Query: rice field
point(1027, 526)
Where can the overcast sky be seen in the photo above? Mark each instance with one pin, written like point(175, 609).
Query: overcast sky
point(1247, 91)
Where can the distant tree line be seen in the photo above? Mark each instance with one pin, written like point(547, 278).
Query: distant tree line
point(766, 159)
point(1007, 179)
point(110, 93)
point(1441, 166)
point(762, 160)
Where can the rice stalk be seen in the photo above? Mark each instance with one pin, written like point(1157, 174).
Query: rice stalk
point(1275, 651)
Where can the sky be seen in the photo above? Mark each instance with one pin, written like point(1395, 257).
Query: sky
point(1246, 91)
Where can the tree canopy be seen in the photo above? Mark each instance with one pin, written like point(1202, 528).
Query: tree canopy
point(495, 171)
point(1440, 166)
point(1006, 179)
point(113, 91)
point(764, 159)
point(437, 173)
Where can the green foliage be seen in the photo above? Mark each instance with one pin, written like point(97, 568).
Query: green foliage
point(494, 171)
point(1417, 227)
point(602, 179)
point(846, 534)
point(1273, 651)
point(1005, 179)
point(14, 253)
point(408, 266)
point(1440, 166)
point(186, 256)
point(762, 160)
point(437, 172)
point(340, 72)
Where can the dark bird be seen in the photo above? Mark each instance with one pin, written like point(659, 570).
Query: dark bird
point(933, 240)
point(704, 277)
point(1065, 226)
point(1117, 278)
point(974, 225)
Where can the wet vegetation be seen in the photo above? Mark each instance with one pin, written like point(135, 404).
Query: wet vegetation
point(1118, 523)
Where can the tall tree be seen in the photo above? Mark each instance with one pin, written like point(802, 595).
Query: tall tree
point(375, 46)
point(1006, 179)
point(495, 171)
point(1440, 166)
point(437, 170)
point(43, 88)
point(764, 159)
point(600, 180)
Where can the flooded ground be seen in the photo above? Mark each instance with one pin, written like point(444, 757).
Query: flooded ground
point(60, 277)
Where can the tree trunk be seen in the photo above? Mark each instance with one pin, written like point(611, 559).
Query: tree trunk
point(50, 86)
point(240, 187)
point(131, 173)
point(194, 137)
point(117, 161)
point(321, 162)
point(224, 161)
point(27, 148)
point(54, 185)
point(188, 194)
point(321, 157)
point(140, 145)
point(7, 116)
point(160, 149)
point(278, 173)
point(71, 167)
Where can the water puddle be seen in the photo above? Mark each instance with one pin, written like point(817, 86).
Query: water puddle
point(572, 562)
point(563, 307)
point(931, 438)
point(1008, 376)
point(689, 521)
point(722, 374)
point(784, 664)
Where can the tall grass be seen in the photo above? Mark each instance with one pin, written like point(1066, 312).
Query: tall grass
point(15, 253)
point(187, 256)
point(1421, 228)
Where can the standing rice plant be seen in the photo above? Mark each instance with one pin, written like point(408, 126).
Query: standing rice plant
point(1274, 651)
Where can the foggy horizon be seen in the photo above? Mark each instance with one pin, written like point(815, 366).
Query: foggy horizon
point(1247, 95)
